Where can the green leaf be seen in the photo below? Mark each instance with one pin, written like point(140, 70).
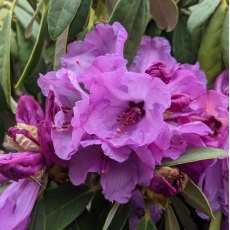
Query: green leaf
point(110, 216)
point(165, 13)
point(5, 35)
point(60, 48)
point(146, 224)
point(37, 50)
point(210, 55)
point(170, 219)
point(225, 40)
point(183, 213)
point(200, 13)
point(195, 198)
point(216, 223)
point(24, 18)
point(182, 43)
point(152, 29)
point(4, 186)
point(60, 15)
point(80, 18)
point(38, 216)
point(134, 16)
point(196, 154)
point(116, 217)
point(65, 203)
point(81, 223)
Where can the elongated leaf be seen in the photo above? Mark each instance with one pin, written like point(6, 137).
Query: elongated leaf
point(60, 15)
point(81, 223)
point(216, 223)
point(110, 216)
point(24, 19)
point(201, 12)
point(194, 197)
point(133, 15)
point(146, 224)
point(80, 18)
point(170, 219)
point(210, 55)
point(65, 203)
point(182, 44)
point(196, 154)
point(38, 216)
point(120, 218)
point(225, 40)
point(60, 48)
point(36, 52)
point(183, 213)
point(165, 13)
point(5, 34)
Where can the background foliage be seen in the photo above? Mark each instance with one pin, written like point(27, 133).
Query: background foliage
point(33, 36)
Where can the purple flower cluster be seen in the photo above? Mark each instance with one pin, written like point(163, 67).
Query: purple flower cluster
point(120, 122)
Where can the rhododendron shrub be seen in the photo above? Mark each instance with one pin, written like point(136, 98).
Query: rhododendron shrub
point(128, 130)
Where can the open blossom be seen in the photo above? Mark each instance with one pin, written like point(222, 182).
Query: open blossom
point(31, 137)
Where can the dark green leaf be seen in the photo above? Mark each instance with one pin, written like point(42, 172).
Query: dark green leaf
point(3, 187)
point(134, 16)
point(201, 12)
point(65, 203)
point(215, 224)
point(165, 13)
point(195, 198)
point(210, 55)
point(60, 48)
point(83, 222)
point(187, 3)
point(36, 52)
point(146, 224)
point(38, 216)
point(116, 217)
point(152, 29)
point(60, 15)
point(196, 154)
point(182, 43)
point(80, 18)
point(225, 40)
point(183, 213)
point(5, 34)
point(170, 219)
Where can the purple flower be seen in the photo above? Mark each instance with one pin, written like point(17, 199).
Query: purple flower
point(129, 113)
point(103, 40)
point(221, 84)
point(113, 164)
point(16, 204)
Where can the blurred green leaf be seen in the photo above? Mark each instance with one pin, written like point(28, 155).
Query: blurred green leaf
point(215, 224)
point(152, 29)
point(200, 13)
point(225, 40)
point(60, 48)
point(146, 224)
point(37, 50)
point(165, 13)
point(13, 45)
point(196, 154)
point(38, 216)
point(182, 43)
point(65, 203)
point(195, 198)
point(134, 16)
point(210, 55)
point(187, 3)
point(24, 19)
point(5, 35)
point(4, 186)
point(170, 219)
point(60, 15)
point(183, 213)
point(80, 18)
point(83, 222)
point(116, 217)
